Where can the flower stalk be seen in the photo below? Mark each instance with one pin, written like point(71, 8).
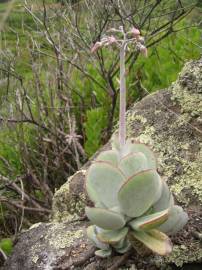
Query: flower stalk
point(132, 37)
point(122, 110)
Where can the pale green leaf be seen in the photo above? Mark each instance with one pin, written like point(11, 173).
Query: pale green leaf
point(103, 182)
point(110, 156)
point(105, 219)
point(166, 200)
point(150, 221)
point(133, 163)
point(155, 240)
point(112, 236)
point(92, 236)
point(143, 148)
point(103, 253)
point(176, 221)
point(139, 193)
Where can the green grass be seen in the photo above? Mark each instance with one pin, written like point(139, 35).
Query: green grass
point(165, 60)
point(9, 151)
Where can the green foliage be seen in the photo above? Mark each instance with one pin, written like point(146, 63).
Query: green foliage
point(166, 59)
point(199, 3)
point(6, 245)
point(9, 152)
point(94, 125)
point(132, 202)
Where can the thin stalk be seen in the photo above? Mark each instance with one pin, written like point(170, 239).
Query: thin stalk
point(122, 110)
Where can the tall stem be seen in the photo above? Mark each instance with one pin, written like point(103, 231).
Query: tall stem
point(122, 110)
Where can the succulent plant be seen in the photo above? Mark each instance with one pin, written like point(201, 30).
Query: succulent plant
point(132, 203)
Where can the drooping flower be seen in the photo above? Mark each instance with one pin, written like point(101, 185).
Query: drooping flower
point(105, 41)
point(111, 40)
point(96, 46)
point(135, 32)
point(143, 50)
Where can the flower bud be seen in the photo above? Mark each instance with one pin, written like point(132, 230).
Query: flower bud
point(143, 50)
point(96, 46)
point(135, 32)
point(111, 40)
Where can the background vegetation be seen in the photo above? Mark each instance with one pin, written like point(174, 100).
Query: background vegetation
point(58, 102)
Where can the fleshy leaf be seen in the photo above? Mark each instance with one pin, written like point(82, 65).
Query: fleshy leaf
point(120, 244)
point(109, 156)
point(116, 209)
point(149, 222)
point(115, 142)
point(112, 237)
point(140, 248)
point(92, 194)
point(176, 221)
point(139, 192)
point(143, 148)
point(92, 236)
point(133, 163)
point(103, 253)
point(103, 181)
point(105, 219)
point(166, 200)
point(126, 246)
point(155, 240)
point(100, 205)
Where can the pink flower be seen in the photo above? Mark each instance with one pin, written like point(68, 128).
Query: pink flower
point(111, 40)
point(143, 50)
point(96, 46)
point(135, 32)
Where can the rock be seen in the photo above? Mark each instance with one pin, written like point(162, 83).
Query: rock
point(170, 121)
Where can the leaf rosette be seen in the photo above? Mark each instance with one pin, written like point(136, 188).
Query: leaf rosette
point(132, 202)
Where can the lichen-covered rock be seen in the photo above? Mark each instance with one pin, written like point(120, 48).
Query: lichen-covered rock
point(73, 193)
point(170, 121)
point(44, 246)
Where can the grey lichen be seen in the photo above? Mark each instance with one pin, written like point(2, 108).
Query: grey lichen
point(172, 127)
point(68, 206)
point(175, 157)
point(56, 238)
point(182, 254)
point(66, 240)
point(190, 80)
